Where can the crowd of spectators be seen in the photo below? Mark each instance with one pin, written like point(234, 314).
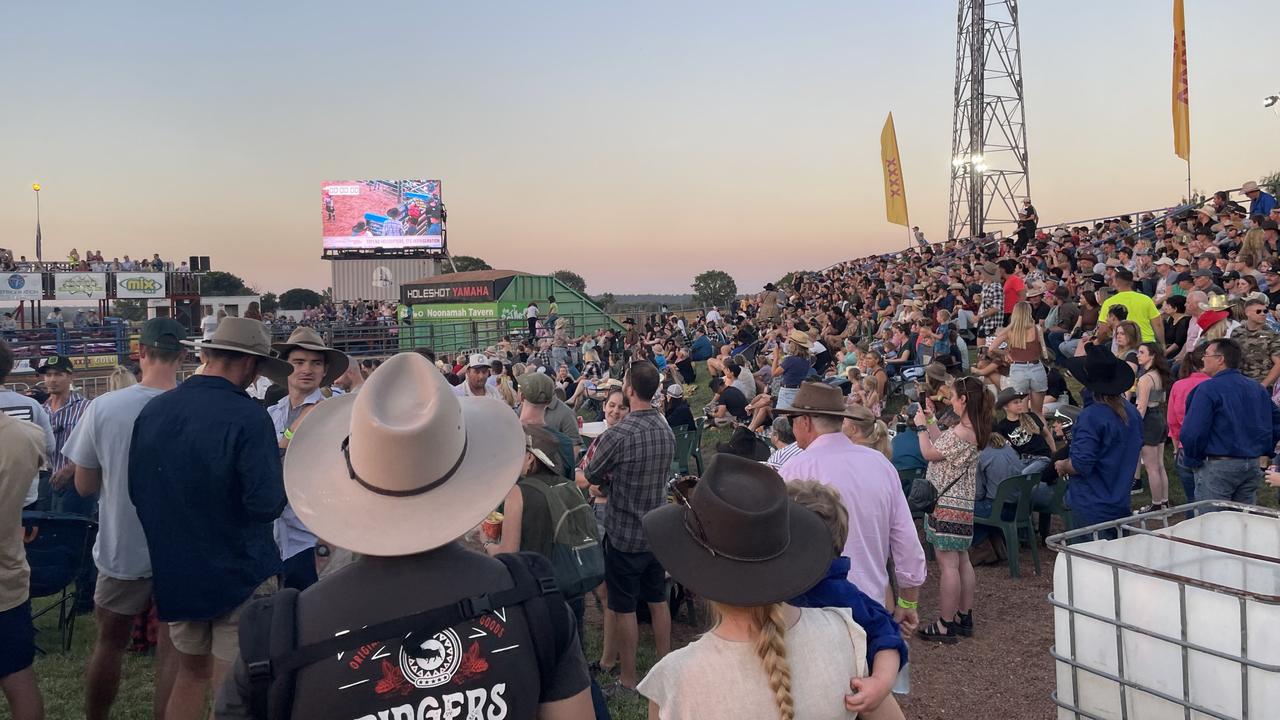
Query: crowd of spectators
point(91, 261)
point(1066, 358)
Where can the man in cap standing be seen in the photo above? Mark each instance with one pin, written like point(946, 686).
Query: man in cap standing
point(880, 524)
point(315, 367)
point(205, 477)
point(20, 406)
point(397, 474)
point(64, 406)
point(476, 382)
point(99, 448)
point(1259, 344)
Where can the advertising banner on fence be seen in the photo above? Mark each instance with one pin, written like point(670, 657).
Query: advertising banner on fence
point(80, 286)
point(387, 214)
point(136, 285)
point(21, 286)
point(459, 312)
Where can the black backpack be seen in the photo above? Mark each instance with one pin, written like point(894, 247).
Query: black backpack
point(269, 639)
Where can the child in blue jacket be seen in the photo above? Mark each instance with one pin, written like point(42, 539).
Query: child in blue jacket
point(886, 650)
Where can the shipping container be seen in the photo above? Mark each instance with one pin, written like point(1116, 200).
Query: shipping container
point(377, 279)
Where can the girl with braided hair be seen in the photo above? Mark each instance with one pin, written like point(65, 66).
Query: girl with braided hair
point(741, 543)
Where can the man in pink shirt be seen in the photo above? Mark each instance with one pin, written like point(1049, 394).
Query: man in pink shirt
point(1177, 412)
point(880, 524)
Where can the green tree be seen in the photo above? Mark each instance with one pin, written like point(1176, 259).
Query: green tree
point(299, 298)
point(131, 310)
point(713, 287)
point(605, 301)
point(1271, 183)
point(222, 283)
point(572, 279)
point(465, 263)
point(269, 303)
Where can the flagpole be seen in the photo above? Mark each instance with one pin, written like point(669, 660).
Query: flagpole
point(1189, 178)
point(36, 187)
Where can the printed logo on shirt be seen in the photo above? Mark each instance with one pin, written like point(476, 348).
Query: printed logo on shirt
point(431, 661)
point(22, 412)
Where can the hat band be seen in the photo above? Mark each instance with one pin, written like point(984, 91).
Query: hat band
point(351, 471)
point(249, 349)
point(699, 536)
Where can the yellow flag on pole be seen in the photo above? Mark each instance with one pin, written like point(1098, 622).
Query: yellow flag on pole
point(1181, 109)
point(895, 191)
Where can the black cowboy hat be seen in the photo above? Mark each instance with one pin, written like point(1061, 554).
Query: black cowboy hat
point(1101, 371)
point(741, 540)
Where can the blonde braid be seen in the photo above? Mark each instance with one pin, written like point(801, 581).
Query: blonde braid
point(771, 646)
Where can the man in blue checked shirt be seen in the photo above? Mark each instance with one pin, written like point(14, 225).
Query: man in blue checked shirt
point(1231, 423)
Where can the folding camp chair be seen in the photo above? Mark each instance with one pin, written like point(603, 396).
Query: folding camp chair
point(59, 546)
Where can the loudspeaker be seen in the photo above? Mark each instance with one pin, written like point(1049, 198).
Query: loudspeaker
point(194, 263)
point(204, 263)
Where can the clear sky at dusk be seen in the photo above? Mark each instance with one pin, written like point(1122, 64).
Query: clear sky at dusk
point(635, 143)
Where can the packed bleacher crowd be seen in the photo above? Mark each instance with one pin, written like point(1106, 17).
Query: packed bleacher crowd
point(91, 261)
point(436, 522)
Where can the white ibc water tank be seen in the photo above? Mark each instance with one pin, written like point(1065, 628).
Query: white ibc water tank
point(1172, 622)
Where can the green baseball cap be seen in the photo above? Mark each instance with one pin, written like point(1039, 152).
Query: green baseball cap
point(537, 388)
point(163, 334)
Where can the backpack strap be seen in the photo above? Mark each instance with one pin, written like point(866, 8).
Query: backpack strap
point(432, 620)
point(268, 628)
point(546, 614)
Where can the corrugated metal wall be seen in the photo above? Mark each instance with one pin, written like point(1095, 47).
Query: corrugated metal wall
point(378, 279)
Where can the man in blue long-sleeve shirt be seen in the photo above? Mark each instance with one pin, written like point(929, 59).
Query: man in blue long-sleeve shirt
point(206, 479)
point(1230, 424)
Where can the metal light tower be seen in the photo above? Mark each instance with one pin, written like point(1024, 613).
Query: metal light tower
point(989, 175)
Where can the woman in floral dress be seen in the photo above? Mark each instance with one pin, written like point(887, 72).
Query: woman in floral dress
point(953, 467)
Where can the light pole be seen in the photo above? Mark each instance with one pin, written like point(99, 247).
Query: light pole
point(36, 188)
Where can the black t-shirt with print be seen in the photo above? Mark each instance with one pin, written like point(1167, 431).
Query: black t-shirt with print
point(485, 668)
point(1024, 442)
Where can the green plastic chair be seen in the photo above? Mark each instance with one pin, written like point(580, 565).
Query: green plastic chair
point(1058, 503)
point(1022, 486)
point(684, 450)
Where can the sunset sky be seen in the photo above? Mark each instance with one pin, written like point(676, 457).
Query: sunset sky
point(634, 143)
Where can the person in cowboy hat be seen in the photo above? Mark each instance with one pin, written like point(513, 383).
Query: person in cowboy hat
point(65, 406)
point(740, 542)
point(476, 381)
point(205, 477)
point(881, 524)
point(315, 367)
point(1260, 202)
point(795, 368)
point(397, 474)
point(1106, 440)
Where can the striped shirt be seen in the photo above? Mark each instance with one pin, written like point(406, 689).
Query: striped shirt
point(782, 455)
point(64, 420)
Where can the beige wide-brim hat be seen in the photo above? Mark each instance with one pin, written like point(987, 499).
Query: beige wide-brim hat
point(304, 338)
point(250, 337)
point(800, 338)
point(404, 465)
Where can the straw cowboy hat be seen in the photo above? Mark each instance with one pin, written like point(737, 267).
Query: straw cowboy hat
point(816, 398)
point(740, 540)
point(800, 338)
point(1249, 187)
point(249, 337)
point(304, 338)
point(1216, 302)
point(415, 465)
point(1101, 371)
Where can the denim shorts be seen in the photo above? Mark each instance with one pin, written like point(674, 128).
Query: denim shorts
point(1028, 377)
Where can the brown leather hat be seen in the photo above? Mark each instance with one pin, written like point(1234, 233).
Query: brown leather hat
point(816, 398)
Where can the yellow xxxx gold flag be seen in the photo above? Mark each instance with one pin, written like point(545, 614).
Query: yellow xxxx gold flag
point(895, 191)
point(1181, 91)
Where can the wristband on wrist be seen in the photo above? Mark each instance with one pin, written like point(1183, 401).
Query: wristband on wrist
point(931, 420)
point(908, 604)
point(288, 434)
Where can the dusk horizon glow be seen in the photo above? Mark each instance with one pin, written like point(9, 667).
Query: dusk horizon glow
point(636, 146)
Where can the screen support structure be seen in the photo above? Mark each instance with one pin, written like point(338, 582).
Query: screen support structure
point(989, 170)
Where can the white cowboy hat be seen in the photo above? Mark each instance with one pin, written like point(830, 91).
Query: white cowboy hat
point(415, 464)
point(249, 337)
point(1249, 187)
